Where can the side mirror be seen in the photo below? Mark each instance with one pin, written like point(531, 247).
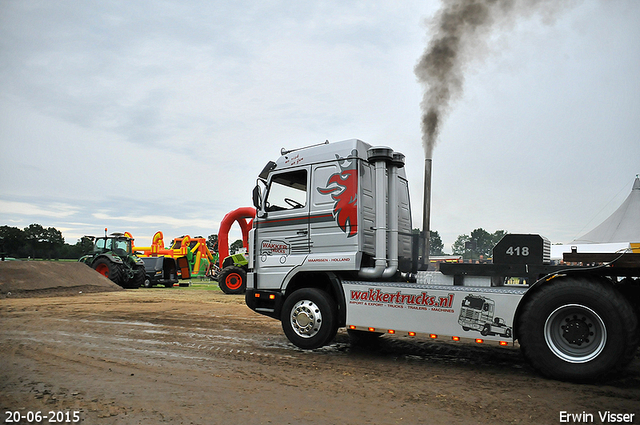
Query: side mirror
point(258, 201)
point(257, 198)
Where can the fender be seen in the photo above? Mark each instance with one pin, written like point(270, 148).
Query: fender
point(544, 281)
point(330, 282)
point(110, 257)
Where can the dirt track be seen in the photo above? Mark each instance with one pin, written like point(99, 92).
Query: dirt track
point(180, 356)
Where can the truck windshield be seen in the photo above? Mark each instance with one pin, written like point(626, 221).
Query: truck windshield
point(474, 303)
point(287, 191)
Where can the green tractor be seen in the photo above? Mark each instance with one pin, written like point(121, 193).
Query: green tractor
point(232, 279)
point(113, 258)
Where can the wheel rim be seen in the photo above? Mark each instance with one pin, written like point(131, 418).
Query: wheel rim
point(233, 281)
point(575, 333)
point(306, 318)
point(103, 269)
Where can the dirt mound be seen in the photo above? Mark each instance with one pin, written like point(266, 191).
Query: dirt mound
point(50, 278)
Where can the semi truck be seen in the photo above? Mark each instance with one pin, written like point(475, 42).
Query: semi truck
point(332, 246)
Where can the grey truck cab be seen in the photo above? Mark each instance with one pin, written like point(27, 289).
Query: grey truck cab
point(318, 216)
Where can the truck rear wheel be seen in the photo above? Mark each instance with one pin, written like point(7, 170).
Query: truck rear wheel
point(309, 318)
point(108, 269)
point(233, 280)
point(578, 329)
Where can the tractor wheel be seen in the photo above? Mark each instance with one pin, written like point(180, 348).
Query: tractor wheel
point(309, 318)
point(578, 330)
point(233, 280)
point(108, 269)
point(138, 279)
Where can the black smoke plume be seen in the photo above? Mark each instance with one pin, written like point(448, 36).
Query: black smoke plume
point(460, 32)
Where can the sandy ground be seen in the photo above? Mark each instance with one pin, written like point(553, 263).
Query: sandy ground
point(185, 356)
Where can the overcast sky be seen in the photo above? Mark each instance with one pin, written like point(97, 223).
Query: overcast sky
point(146, 116)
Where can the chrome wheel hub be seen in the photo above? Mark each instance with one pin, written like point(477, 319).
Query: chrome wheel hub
point(306, 318)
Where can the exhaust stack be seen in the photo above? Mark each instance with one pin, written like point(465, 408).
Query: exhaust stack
point(426, 214)
point(379, 156)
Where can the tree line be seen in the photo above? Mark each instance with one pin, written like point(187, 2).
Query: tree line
point(475, 246)
point(35, 241)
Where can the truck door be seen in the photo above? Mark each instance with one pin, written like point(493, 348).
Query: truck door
point(334, 215)
point(283, 235)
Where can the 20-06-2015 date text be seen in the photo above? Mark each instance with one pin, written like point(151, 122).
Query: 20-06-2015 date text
point(41, 417)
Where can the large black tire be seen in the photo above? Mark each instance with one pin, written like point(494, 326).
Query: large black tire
point(309, 318)
point(233, 280)
point(138, 279)
point(108, 269)
point(578, 329)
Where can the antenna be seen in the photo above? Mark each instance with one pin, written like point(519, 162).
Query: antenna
point(284, 151)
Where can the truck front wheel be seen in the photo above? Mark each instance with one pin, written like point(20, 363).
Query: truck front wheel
point(309, 318)
point(578, 329)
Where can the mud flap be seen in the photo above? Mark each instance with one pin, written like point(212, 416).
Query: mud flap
point(183, 266)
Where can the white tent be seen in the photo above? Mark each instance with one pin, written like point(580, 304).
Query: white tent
point(615, 234)
point(621, 226)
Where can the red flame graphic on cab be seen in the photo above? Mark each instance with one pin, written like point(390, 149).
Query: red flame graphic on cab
point(343, 188)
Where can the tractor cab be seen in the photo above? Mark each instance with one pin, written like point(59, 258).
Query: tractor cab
point(116, 242)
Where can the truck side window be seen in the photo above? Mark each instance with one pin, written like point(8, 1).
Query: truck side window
point(287, 191)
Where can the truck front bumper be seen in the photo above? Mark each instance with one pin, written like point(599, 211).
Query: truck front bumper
point(264, 302)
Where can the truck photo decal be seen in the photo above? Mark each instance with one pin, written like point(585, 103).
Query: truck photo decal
point(343, 188)
point(422, 301)
point(477, 313)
